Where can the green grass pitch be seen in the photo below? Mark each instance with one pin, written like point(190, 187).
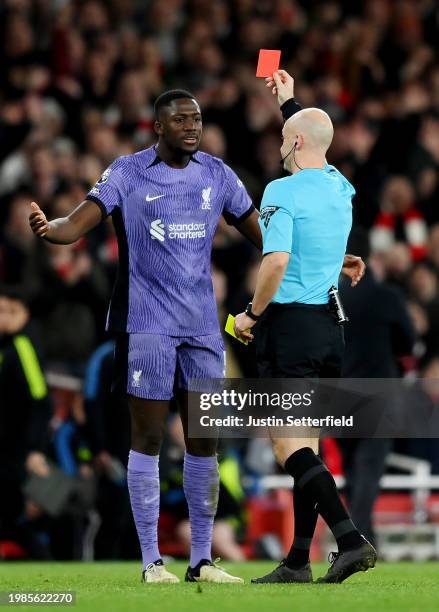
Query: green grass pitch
point(108, 587)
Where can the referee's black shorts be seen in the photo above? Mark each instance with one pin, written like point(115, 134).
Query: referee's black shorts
point(298, 341)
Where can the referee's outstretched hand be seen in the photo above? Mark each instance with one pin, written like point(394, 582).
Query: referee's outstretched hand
point(282, 85)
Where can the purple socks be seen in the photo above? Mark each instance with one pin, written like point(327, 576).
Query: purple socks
point(144, 488)
point(201, 487)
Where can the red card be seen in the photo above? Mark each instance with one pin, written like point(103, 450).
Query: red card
point(268, 62)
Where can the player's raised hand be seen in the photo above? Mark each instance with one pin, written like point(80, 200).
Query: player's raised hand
point(282, 85)
point(38, 221)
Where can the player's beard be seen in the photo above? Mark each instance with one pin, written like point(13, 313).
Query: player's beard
point(180, 152)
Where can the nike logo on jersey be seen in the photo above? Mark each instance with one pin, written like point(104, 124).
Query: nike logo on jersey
point(149, 198)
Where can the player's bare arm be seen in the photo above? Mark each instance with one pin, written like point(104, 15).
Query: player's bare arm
point(250, 229)
point(66, 229)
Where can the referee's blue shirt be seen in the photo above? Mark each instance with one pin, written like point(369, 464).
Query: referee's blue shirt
point(308, 214)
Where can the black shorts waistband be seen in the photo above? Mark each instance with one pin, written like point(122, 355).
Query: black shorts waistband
point(290, 305)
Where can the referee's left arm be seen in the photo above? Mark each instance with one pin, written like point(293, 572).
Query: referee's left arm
point(278, 224)
point(270, 276)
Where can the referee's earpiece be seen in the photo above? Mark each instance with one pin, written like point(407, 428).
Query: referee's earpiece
point(294, 154)
point(293, 148)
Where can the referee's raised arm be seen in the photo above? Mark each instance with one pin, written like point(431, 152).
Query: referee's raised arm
point(281, 84)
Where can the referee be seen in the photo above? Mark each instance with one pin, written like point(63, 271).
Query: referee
point(305, 222)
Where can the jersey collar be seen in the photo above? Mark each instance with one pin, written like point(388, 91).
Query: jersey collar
point(157, 159)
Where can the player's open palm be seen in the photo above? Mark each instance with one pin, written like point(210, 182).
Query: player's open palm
point(38, 221)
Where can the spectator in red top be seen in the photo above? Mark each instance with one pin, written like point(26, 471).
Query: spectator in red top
point(399, 219)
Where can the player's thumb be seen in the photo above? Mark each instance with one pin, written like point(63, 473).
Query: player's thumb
point(34, 206)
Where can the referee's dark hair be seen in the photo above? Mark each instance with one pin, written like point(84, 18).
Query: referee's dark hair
point(167, 97)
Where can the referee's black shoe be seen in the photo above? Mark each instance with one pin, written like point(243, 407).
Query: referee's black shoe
point(348, 562)
point(283, 573)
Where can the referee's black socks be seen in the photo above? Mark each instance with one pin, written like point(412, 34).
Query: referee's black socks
point(305, 520)
point(315, 481)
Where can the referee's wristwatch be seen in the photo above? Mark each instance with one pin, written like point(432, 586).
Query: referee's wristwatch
point(249, 313)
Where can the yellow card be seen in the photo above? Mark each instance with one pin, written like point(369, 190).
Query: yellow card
point(229, 328)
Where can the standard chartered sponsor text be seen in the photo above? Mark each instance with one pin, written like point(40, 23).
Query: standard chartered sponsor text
point(186, 230)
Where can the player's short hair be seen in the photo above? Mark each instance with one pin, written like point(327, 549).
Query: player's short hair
point(167, 97)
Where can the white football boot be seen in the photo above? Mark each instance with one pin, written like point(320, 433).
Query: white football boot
point(209, 571)
point(157, 572)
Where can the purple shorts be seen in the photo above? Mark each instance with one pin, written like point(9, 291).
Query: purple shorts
point(153, 366)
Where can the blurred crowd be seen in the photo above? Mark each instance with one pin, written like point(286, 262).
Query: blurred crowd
point(77, 86)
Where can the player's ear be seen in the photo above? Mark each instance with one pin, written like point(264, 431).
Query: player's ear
point(299, 141)
point(158, 127)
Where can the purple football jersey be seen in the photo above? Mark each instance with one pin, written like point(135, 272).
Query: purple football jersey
point(165, 219)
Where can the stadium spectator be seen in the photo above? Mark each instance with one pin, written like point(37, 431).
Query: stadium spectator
point(25, 411)
point(108, 431)
point(379, 325)
point(68, 296)
point(18, 244)
point(428, 448)
point(399, 216)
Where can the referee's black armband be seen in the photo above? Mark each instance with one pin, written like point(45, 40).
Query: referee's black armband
point(290, 108)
